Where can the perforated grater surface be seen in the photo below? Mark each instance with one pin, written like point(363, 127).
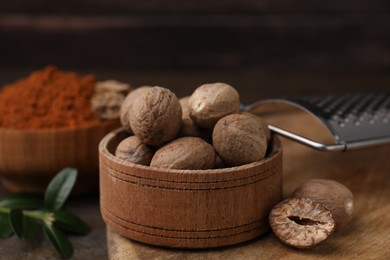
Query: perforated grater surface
point(354, 120)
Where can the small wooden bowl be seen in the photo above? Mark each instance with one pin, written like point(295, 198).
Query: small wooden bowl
point(188, 208)
point(29, 159)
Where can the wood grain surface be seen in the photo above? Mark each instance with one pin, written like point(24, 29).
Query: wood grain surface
point(364, 172)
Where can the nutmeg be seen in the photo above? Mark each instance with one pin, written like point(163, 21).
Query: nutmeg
point(132, 150)
point(127, 103)
point(191, 153)
point(188, 126)
point(301, 222)
point(219, 163)
point(108, 98)
point(239, 139)
point(332, 194)
point(263, 124)
point(211, 102)
point(184, 106)
point(155, 116)
point(106, 105)
point(112, 86)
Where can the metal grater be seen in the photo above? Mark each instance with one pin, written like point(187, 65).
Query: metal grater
point(354, 120)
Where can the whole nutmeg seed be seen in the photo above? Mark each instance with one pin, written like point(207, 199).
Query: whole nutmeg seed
point(211, 102)
point(127, 103)
point(190, 153)
point(301, 222)
point(184, 106)
point(106, 105)
point(239, 139)
point(112, 86)
point(263, 124)
point(188, 126)
point(155, 116)
point(219, 163)
point(332, 194)
point(132, 150)
point(108, 98)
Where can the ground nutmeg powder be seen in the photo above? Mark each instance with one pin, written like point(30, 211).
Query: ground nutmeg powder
point(48, 98)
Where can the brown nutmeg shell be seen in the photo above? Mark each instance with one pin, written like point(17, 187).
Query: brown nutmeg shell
point(155, 116)
point(188, 126)
point(132, 150)
point(263, 125)
point(211, 102)
point(219, 163)
point(127, 103)
point(191, 153)
point(332, 194)
point(239, 139)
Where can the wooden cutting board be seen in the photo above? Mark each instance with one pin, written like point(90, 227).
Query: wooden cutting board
point(365, 172)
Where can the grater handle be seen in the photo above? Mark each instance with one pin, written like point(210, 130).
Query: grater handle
point(305, 141)
point(339, 147)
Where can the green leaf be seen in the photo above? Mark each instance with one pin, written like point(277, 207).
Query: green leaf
point(16, 221)
point(25, 227)
point(6, 230)
point(68, 221)
point(23, 213)
point(59, 240)
point(30, 228)
point(22, 201)
point(59, 188)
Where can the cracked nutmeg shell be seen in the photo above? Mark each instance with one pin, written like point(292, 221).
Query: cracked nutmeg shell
point(155, 116)
point(301, 222)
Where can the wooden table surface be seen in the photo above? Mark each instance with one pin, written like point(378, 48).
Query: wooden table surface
point(365, 172)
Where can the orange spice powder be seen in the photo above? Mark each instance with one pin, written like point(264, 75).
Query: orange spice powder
point(48, 98)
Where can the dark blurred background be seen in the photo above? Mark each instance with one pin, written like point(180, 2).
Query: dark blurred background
point(263, 48)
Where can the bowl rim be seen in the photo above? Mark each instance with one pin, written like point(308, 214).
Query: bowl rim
point(103, 151)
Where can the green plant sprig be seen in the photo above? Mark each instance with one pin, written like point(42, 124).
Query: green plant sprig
point(25, 214)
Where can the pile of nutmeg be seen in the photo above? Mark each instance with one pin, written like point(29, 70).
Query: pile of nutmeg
point(203, 131)
point(207, 130)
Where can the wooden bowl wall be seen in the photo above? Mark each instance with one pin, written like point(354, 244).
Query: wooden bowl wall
point(29, 159)
point(188, 208)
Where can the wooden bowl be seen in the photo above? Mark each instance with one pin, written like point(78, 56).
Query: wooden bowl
point(29, 159)
point(188, 208)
